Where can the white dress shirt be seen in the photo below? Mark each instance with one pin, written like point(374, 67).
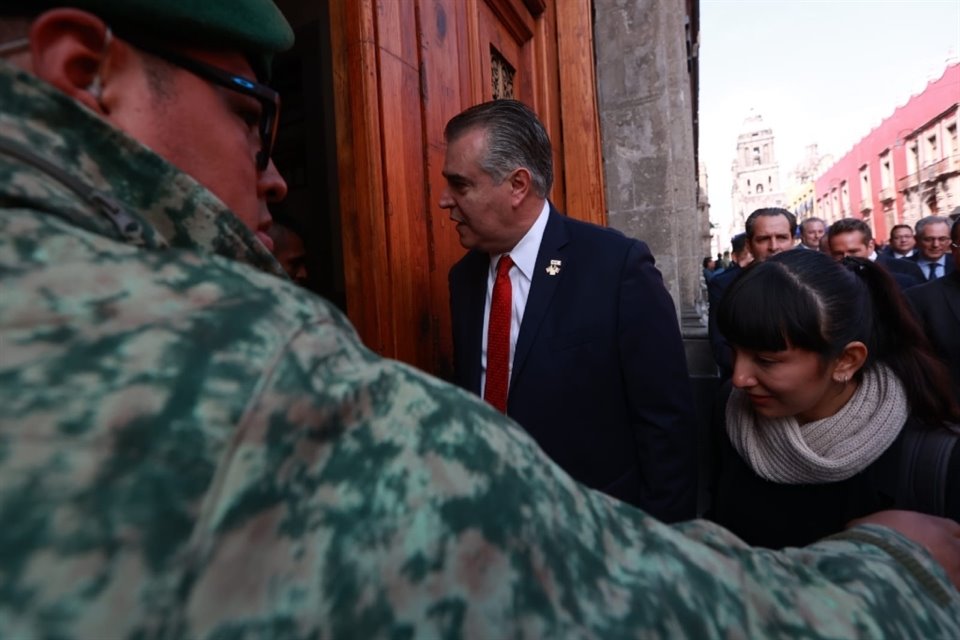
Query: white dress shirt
point(524, 256)
point(925, 266)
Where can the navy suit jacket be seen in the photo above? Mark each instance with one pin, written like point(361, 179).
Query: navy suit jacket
point(937, 304)
point(888, 252)
point(947, 265)
point(905, 271)
point(722, 353)
point(599, 373)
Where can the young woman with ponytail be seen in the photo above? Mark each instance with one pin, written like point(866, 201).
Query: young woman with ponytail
point(831, 374)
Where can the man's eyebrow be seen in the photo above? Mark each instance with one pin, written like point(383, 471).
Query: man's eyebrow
point(455, 177)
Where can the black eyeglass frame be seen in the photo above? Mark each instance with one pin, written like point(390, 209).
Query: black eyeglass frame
point(268, 98)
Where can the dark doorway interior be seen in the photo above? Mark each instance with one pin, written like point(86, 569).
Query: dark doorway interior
point(306, 147)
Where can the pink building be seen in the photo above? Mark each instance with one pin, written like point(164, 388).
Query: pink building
point(908, 167)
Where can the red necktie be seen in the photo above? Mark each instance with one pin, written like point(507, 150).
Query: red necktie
point(498, 338)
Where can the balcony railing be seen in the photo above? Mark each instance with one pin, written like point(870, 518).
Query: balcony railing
point(887, 195)
point(908, 181)
point(930, 172)
point(950, 164)
point(866, 205)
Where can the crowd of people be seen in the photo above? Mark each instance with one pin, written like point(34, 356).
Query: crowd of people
point(193, 446)
point(921, 262)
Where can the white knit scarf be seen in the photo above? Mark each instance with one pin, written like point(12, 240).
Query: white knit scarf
point(827, 450)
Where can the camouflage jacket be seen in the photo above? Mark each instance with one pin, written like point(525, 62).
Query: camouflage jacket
point(193, 448)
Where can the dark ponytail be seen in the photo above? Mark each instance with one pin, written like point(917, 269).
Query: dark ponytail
point(897, 340)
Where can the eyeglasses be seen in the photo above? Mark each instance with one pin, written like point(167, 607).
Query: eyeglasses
point(939, 240)
point(268, 98)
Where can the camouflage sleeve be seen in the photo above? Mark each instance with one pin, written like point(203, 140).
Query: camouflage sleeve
point(364, 499)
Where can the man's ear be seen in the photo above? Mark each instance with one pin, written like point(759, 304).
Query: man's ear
point(68, 49)
point(520, 185)
point(851, 359)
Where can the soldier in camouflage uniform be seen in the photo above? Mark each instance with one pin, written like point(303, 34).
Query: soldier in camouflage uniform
point(192, 447)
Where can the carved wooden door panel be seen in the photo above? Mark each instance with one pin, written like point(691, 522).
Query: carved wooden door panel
point(506, 55)
point(512, 52)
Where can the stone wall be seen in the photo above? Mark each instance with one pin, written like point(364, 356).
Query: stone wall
point(646, 123)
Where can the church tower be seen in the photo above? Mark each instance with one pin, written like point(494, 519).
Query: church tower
point(756, 174)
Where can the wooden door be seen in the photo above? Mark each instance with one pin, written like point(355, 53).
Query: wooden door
point(512, 53)
point(401, 70)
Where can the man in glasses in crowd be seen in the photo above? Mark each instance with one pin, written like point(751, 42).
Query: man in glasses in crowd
point(902, 242)
point(933, 247)
point(937, 305)
point(191, 447)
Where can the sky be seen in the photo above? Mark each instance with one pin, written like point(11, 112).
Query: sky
point(824, 72)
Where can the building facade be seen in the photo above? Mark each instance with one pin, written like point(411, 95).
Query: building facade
point(906, 168)
point(801, 183)
point(756, 172)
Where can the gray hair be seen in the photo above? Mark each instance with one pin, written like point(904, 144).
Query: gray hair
point(515, 138)
point(803, 224)
point(923, 222)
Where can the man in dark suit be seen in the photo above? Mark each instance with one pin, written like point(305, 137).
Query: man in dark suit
point(937, 304)
point(933, 240)
point(584, 348)
point(740, 258)
point(853, 237)
point(811, 230)
point(902, 243)
point(767, 231)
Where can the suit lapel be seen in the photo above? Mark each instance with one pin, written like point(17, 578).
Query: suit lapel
point(542, 288)
point(476, 290)
point(952, 302)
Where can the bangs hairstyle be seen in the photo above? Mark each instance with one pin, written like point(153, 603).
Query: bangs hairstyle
point(801, 299)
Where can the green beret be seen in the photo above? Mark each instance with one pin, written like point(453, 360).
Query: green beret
point(256, 28)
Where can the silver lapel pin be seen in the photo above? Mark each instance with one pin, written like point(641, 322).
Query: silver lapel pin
point(554, 267)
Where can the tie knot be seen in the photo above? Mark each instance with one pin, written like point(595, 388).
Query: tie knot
point(503, 266)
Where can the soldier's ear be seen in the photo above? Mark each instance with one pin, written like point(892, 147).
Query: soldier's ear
point(68, 49)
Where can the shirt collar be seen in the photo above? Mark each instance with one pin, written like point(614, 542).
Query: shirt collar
point(524, 254)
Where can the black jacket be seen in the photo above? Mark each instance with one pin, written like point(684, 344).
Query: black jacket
point(599, 375)
point(773, 515)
